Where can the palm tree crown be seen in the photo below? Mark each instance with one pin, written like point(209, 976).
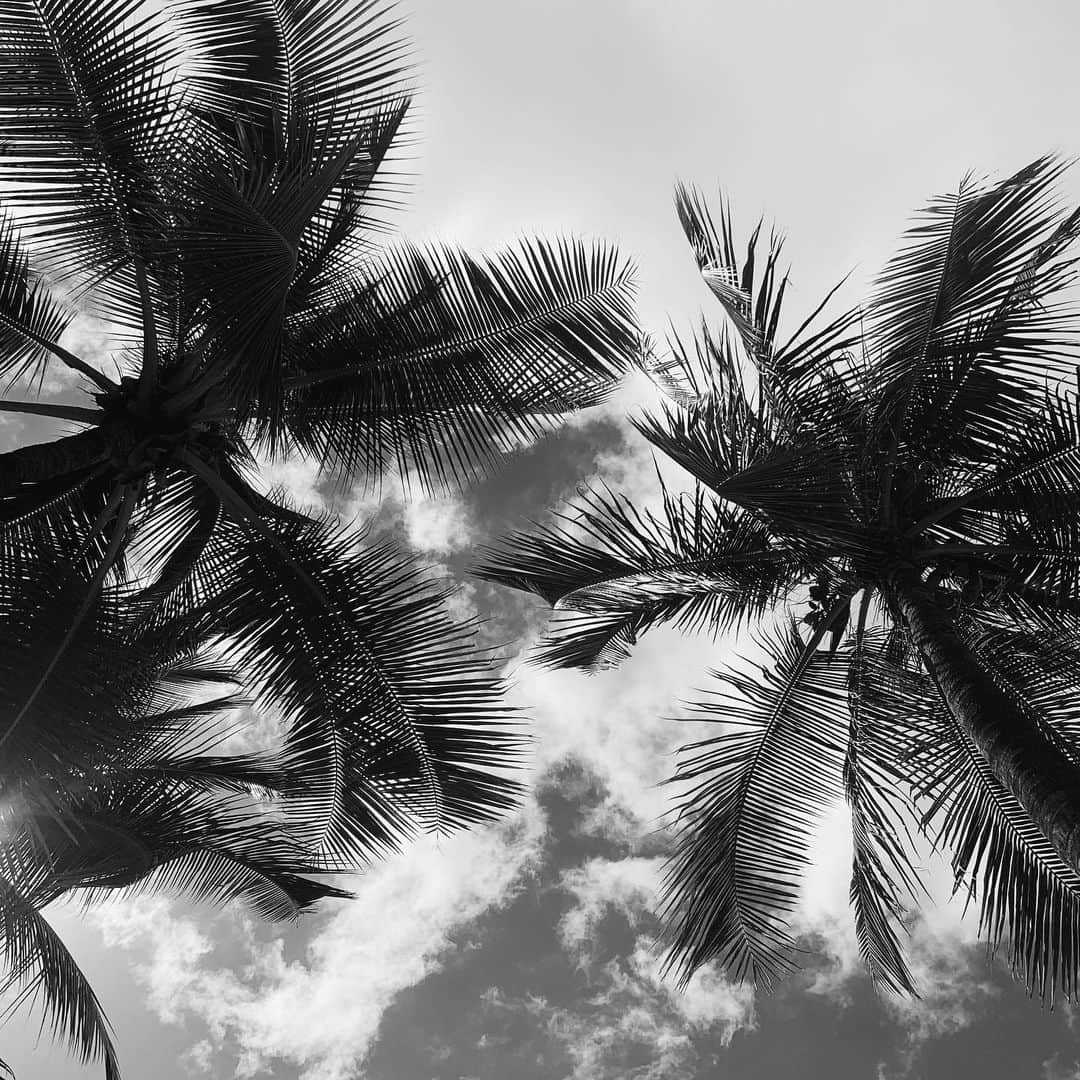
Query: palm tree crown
point(210, 181)
point(895, 492)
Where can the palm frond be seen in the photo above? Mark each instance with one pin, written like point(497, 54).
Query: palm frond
point(1027, 896)
point(752, 297)
point(781, 483)
point(445, 360)
point(750, 798)
point(87, 98)
point(259, 58)
point(30, 319)
point(613, 572)
point(39, 963)
point(960, 325)
point(883, 878)
point(393, 720)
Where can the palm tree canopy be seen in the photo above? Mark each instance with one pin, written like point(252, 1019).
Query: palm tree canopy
point(211, 182)
point(892, 495)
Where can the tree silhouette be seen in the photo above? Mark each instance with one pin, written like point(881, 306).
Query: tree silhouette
point(893, 496)
point(210, 180)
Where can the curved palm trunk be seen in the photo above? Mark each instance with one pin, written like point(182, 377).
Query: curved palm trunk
point(45, 461)
point(1044, 781)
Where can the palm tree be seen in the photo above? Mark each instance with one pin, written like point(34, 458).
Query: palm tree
point(210, 182)
point(895, 495)
point(207, 179)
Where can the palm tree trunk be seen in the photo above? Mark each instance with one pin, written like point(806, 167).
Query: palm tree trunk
point(45, 461)
point(1041, 777)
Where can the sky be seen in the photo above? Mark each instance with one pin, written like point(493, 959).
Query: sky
point(526, 950)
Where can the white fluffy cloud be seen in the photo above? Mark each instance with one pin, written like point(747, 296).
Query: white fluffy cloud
point(321, 1011)
point(629, 887)
point(619, 723)
point(437, 526)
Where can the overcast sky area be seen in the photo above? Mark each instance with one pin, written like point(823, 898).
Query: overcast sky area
point(525, 951)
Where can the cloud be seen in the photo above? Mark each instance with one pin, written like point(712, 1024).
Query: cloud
point(634, 1022)
point(634, 1026)
point(942, 947)
point(947, 960)
point(627, 885)
point(300, 478)
point(320, 1011)
point(620, 722)
point(437, 526)
point(172, 968)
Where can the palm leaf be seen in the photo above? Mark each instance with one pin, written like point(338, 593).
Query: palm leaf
point(751, 796)
point(393, 720)
point(614, 572)
point(38, 961)
point(30, 320)
point(875, 784)
point(87, 98)
point(445, 360)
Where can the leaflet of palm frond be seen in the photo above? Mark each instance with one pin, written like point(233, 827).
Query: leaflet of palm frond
point(82, 705)
point(86, 100)
point(240, 773)
point(750, 799)
point(1032, 610)
point(115, 689)
point(668, 373)
point(39, 963)
point(1038, 668)
point(985, 380)
point(1038, 570)
point(814, 344)
point(755, 306)
point(173, 533)
point(252, 56)
point(822, 404)
point(714, 439)
point(135, 728)
point(784, 483)
point(883, 878)
point(180, 575)
point(714, 252)
point(270, 887)
point(449, 359)
point(595, 627)
point(712, 246)
point(394, 721)
point(1026, 894)
point(957, 266)
point(269, 220)
point(239, 257)
point(29, 316)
